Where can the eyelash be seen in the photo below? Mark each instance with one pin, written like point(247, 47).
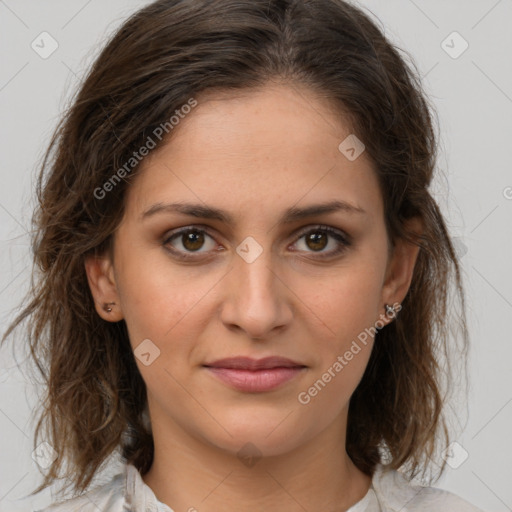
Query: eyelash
point(343, 240)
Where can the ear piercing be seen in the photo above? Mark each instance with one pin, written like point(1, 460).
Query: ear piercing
point(107, 307)
point(390, 310)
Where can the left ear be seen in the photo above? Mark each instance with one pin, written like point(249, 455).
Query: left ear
point(401, 265)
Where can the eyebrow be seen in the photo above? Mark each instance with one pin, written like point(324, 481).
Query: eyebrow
point(290, 215)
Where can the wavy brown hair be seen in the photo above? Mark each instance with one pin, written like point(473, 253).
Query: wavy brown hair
point(164, 54)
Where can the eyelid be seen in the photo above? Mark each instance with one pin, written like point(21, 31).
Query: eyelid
point(180, 231)
point(324, 227)
point(343, 238)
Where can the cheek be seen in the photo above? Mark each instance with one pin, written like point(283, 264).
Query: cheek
point(168, 309)
point(157, 299)
point(343, 317)
point(341, 321)
point(344, 304)
point(172, 310)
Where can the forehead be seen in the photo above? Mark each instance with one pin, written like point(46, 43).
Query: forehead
point(257, 150)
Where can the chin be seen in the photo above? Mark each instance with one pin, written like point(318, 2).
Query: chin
point(252, 447)
point(269, 435)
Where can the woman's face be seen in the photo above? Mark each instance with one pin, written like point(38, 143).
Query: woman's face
point(268, 282)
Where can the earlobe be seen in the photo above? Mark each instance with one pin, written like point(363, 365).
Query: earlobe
point(100, 275)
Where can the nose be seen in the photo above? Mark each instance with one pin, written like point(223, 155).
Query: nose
point(256, 299)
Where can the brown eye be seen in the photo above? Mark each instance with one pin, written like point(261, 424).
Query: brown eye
point(317, 240)
point(185, 242)
point(192, 240)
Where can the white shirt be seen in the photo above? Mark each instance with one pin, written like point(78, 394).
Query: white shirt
point(390, 491)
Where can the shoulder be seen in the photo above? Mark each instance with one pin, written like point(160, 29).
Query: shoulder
point(108, 496)
point(125, 492)
point(395, 493)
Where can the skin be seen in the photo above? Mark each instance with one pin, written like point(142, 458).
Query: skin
point(253, 154)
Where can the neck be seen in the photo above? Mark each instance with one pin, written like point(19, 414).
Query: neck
point(189, 474)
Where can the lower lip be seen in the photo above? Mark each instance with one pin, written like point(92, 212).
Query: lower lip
point(255, 381)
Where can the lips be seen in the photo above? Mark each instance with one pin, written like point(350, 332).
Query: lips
point(255, 375)
point(247, 363)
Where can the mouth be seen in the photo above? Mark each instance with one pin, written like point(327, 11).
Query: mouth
point(248, 363)
point(255, 375)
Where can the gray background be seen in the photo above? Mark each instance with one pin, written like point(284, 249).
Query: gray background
point(473, 96)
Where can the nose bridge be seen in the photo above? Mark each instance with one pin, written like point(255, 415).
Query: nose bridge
point(254, 270)
point(259, 274)
point(257, 300)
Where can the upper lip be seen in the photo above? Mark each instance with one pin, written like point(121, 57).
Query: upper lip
point(247, 363)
